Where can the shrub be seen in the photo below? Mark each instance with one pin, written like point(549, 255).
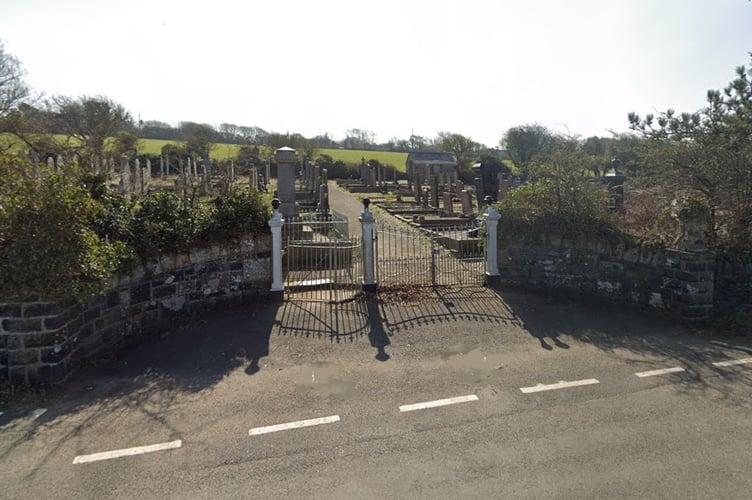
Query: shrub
point(47, 245)
point(649, 216)
point(167, 223)
point(337, 169)
point(62, 236)
point(575, 212)
point(240, 213)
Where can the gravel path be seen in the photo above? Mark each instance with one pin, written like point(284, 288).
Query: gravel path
point(346, 204)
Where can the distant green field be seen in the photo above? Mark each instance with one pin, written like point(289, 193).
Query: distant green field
point(226, 151)
point(354, 156)
point(350, 156)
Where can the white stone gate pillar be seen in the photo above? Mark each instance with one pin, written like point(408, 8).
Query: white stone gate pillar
point(366, 221)
point(492, 217)
point(275, 223)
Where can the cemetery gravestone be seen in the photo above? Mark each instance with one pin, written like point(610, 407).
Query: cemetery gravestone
point(286, 159)
point(466, 202)
point(448, 205)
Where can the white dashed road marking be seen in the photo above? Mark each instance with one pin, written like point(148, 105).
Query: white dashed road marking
point(37, 413)
point(733, 362)
point(559, 385)
point(438, 402)
point(127, 452)
point(293, 425)
point(724, 344)
point(663, 371)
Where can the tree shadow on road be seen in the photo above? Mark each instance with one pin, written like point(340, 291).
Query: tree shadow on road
point(422, 306)
point(150, 376)
point(646, 339)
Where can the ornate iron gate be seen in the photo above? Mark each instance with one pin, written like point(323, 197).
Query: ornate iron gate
point(434, 256)
point(320, 260)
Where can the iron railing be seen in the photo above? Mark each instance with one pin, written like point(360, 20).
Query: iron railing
point(321, 260)
point(435, 256)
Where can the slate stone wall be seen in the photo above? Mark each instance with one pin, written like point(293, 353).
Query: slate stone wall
point(732, 301)
point(676, 281)
point(42, 342)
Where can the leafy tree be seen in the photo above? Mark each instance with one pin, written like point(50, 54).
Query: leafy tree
point(199, 138)
point(295, 141)
point(524, 142)
point(630, 150)
point(707, 156)
point(464, 149)
point(335, 169)
point(277, 140)
point(154, 129)
point(248, 155)
point(125, 143)
point(324, 141)
point(596, 149)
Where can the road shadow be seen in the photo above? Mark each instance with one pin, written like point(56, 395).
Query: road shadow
point(336, 322)
point(644, 338)
point(422, 306)
point(149, 376)
point(376, 332)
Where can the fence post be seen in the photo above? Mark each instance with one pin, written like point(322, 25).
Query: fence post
point(366, 221)
point(275, 223)
point(492, 217)
point(433, 259)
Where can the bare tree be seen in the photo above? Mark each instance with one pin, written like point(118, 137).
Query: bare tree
point(229, 131)
point(13, 90)
point(89, 121)
point(359, 138)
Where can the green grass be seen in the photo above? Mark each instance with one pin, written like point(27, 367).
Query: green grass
point(353, 156)
point(223, 151)
point(349, 156)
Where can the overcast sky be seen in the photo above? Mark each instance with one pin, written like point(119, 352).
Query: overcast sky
point(394, 67)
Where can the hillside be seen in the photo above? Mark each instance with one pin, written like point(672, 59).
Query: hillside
point(349, 156)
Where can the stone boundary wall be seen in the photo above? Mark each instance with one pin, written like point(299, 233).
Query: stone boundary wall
point(733, 298)
point(42, 342)
point(680, 282)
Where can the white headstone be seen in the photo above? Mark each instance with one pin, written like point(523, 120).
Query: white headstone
point(138, 177)
point(147, 175)
point(125, 177)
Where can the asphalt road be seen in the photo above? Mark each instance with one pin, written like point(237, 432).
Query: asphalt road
point(546, 399)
